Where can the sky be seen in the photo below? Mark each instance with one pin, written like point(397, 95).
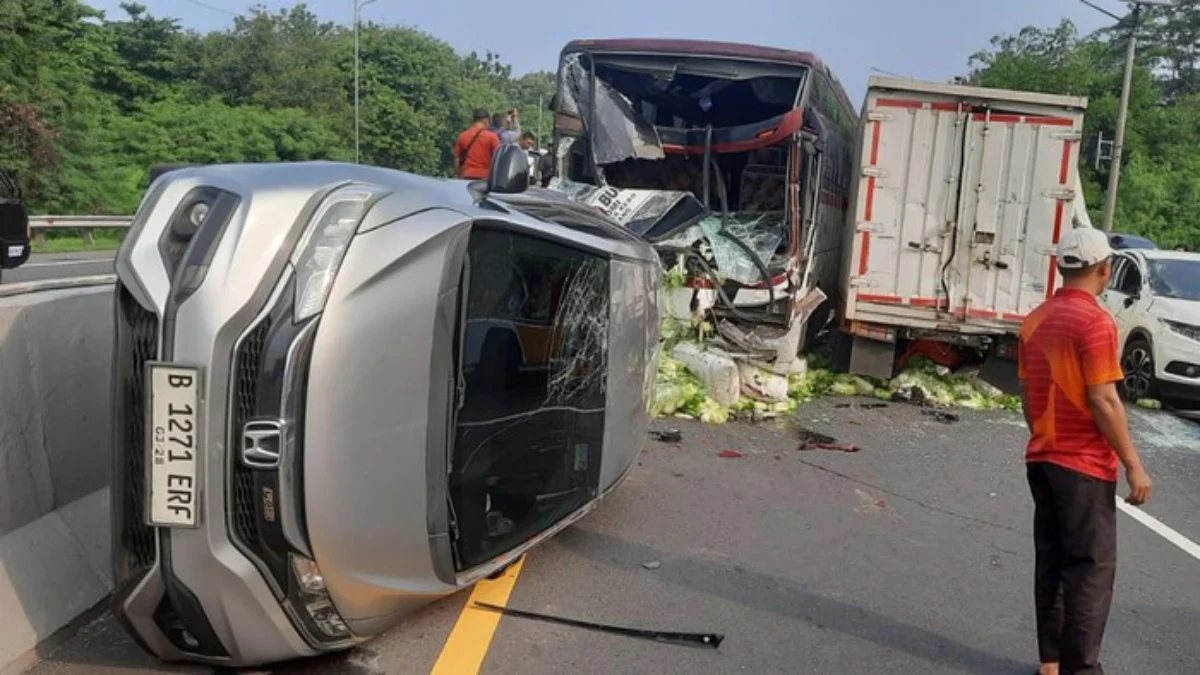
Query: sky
point(924, 39)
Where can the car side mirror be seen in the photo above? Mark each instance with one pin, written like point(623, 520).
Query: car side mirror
point(1130, 300)
point(510, 171)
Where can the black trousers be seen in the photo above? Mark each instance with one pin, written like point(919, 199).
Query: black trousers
point(1075, 535)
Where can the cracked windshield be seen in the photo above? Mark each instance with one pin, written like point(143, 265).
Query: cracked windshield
point(372, 337)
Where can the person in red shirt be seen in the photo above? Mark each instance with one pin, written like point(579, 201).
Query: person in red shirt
point(1069, 368)
point(475, 147)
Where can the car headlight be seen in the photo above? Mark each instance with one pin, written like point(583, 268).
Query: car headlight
point(321, 250)
point(313, 599)
point(1187, 330)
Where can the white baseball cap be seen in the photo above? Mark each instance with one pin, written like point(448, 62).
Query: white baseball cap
point(1083, 247)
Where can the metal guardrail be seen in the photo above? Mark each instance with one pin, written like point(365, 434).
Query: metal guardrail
point(40, 225)
point(25, 287)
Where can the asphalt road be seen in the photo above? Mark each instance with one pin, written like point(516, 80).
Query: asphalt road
point(41, 266)
point(913, 556)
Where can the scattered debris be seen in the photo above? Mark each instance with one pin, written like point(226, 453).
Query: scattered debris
point(701, 381)
point(730, 454)
point(1149, 404)
point(837, 447)
point(810, 436)
point(863, 406)
point(712, 640)
point(652, 564)
point(667, 435)
point(941, 415)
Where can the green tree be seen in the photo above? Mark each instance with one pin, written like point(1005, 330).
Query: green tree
point(1161, 175)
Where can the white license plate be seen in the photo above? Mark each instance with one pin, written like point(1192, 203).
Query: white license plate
point(15, 251)
point(174, 445)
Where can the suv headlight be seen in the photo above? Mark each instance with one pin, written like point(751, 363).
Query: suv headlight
point(323, 246)
point(1185, 329)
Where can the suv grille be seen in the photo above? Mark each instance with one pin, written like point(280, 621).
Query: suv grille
point(136, 342)
point(248, 365)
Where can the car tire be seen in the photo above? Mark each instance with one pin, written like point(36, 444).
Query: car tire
point(1137, 362)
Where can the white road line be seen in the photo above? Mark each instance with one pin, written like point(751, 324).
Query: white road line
point(1190, 547)
point(62, 263)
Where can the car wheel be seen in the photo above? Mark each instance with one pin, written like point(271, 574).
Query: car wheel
point(1138, 364)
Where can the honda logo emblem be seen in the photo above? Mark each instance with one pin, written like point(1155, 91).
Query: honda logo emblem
point(262, 441)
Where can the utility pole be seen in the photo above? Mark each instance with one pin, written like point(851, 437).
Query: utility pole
point(358, 5)
point(1114, 173)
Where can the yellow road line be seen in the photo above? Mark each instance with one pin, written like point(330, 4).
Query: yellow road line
point(468, 643)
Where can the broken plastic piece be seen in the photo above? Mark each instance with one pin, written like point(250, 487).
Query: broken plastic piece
point(730, 454)
point(712, 640)
point(668, 435)
point(942, 416)
point(838, 447)
point(809, 436)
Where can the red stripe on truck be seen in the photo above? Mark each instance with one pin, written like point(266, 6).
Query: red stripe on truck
point(1064, 169)
point(869, 210)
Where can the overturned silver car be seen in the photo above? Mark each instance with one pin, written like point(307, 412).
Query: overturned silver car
point(342, 392)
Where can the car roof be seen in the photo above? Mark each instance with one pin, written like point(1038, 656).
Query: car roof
point(1163, 254)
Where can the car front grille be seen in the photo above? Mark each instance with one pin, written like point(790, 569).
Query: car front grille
point(247, 367)
point(136, 343)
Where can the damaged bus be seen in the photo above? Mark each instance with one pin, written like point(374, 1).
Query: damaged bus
point(732, 160)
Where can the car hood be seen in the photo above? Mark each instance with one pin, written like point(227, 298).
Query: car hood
point(1186, 311)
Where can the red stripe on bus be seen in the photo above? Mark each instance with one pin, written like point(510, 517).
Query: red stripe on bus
point(789, 124)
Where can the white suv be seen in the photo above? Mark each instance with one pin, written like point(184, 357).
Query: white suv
point(1154, 295)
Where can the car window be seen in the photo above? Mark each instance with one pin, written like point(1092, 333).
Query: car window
point(1118, 272)
point(1178, 279)
point(1131, 280)
point(531, 401)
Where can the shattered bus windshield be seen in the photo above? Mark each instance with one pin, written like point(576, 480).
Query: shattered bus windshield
point(733, 161)
point(685, 150)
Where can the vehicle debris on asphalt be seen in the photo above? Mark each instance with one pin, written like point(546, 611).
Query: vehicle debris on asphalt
point(836, 447)
point(667, 435)
point(941, 415)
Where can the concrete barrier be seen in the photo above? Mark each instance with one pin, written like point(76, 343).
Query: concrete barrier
point(55, 370)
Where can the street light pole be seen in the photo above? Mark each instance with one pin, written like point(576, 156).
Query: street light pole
point(358, 5)
point(1114, 172)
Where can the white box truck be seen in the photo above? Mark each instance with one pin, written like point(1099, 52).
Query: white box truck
point(961, 194)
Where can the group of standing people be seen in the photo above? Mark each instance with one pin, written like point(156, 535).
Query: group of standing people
point(478, 144)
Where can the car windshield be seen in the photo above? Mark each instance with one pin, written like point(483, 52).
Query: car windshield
point(1178, 279)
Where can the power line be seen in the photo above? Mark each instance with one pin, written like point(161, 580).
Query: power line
point(214, 8)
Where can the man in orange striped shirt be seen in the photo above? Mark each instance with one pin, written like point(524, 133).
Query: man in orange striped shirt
point(1069, 368)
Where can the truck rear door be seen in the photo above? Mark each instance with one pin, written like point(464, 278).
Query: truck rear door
point(1017, 196)
point(959, 203)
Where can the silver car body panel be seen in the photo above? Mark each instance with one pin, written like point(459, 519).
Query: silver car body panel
point(374, 446)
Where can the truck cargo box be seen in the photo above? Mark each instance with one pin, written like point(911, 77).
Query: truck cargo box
point(962, 193)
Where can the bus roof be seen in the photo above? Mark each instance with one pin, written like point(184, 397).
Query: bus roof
point(709, 48)
point(695, 48)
